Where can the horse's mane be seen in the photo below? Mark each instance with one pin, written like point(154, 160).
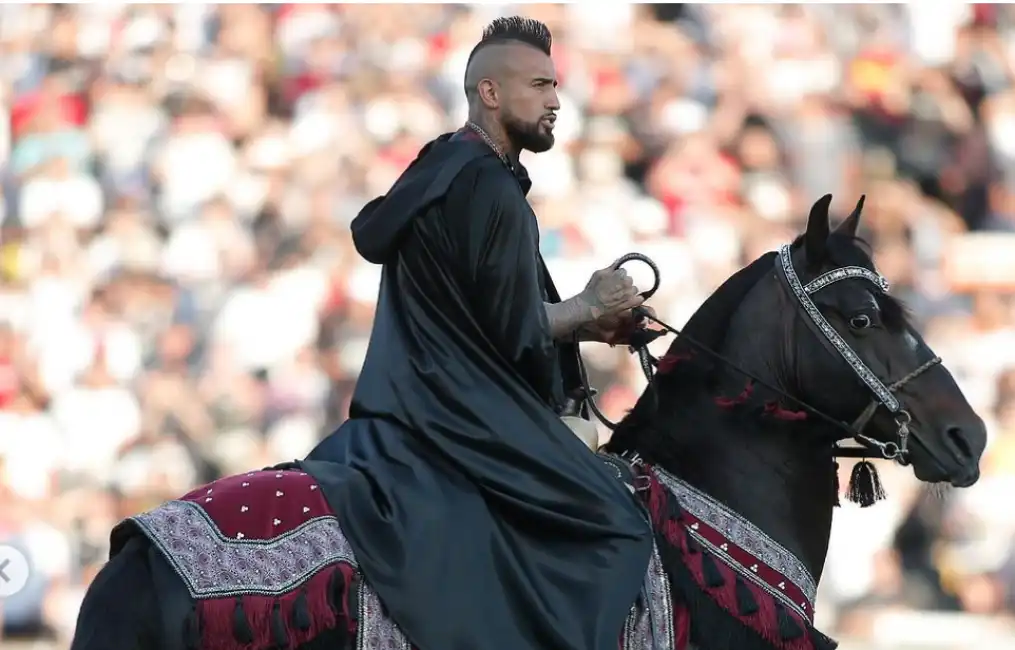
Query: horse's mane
point(711, 322)
point(692, 370)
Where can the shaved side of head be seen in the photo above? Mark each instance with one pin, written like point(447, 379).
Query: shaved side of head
point(489, 62)
point(489, 59)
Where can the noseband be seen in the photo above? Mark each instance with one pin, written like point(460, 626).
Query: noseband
point(882, 394)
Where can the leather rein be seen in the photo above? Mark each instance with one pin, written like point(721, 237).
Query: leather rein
point(881, 394)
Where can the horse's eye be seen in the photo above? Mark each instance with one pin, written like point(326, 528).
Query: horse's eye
point(860, 322)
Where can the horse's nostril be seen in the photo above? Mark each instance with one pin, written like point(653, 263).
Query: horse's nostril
point(959, 442)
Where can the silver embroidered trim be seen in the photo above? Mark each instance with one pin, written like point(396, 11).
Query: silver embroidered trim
point(746, 574)
point(376, 630)
point(212, 565)
point(859, 367)
point(637, 627)
point(741, 532)
point(660, 604)
point(846, 273)
point(649, 624)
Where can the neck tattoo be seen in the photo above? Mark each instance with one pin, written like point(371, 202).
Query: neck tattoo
point(493, 145)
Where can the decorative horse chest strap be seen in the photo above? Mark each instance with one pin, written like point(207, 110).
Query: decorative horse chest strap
point(743, 547)
point(732, 585)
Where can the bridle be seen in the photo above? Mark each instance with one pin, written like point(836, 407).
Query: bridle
point(882, 394)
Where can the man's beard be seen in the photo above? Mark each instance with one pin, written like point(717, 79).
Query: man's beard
point(529, 136)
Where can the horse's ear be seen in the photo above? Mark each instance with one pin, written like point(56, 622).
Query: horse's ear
point(816, 237)
point(849, 226)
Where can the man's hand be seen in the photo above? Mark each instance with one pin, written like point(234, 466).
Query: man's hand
point(607, 296)
point(609, 293)
point(614, 330)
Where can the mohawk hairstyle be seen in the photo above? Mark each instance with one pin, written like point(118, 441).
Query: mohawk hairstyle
point(512, 29)
point(518, 29)
point(515, 28)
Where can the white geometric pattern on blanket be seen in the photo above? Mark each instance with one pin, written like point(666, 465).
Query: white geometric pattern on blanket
point(198, 552)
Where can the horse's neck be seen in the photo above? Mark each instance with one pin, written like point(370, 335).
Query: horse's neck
point(771, 477)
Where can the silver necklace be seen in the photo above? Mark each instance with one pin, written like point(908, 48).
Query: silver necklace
point(489, 141)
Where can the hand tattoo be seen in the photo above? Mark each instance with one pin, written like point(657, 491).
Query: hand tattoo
point(591, 301)
point(609, 292)
point(569, 316)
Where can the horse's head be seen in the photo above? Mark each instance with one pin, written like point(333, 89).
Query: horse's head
point(816, 324)
point(858, 359)
point(827, 354)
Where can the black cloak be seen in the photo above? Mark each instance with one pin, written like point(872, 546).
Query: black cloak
point(480, 519)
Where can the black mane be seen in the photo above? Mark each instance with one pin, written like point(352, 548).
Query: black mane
point(693, 371)
point(710, 324)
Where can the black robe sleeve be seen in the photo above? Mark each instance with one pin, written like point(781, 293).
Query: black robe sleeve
point(499, 252)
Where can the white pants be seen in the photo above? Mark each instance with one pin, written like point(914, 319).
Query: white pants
point(586, 431)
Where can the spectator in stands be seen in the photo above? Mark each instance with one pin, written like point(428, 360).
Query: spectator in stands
point(179, 297)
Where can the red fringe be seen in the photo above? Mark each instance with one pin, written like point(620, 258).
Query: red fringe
point(668, 361)
point(216, 615)
point(764, 621)
point(779, 413)
point(730, 402)
point(675, 534)
point(656, 500)
point(681, 626)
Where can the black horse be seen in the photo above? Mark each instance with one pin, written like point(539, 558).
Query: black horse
point(731, 449)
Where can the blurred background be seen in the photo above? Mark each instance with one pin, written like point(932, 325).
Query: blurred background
point(179, 297)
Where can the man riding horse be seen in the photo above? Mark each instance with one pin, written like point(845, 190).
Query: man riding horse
point(455, 510)
point(493, 515)
point(738, 480)
point(476, 515)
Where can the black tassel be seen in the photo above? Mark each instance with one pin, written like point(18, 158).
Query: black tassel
point(747, 604)
point(336, 591)
point(865, 487)
point(693, 547)
point(301, 612)
point(788, 627)
point(278, 631)
point(674, 510)
point(241, 626)
point(713, 577)
point(192, 629)
point(336, 596)
point(835, 484)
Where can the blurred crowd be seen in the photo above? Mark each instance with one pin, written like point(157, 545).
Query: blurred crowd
point(179, 297)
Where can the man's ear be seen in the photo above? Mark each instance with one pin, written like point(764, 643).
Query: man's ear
point(489, 93)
